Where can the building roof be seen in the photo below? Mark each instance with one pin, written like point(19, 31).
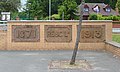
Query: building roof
point(102, 7)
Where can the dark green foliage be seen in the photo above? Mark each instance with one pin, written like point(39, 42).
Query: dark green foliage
point(23, 15)
point(100, 17)
point(9, 5)
point(55, 6)
point(112, 3)
point(68, 8)
point(92, 17)
point(37, 8)
point(40, 8)
point(118, 5)
point(78, 2)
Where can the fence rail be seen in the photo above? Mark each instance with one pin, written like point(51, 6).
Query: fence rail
point(116, 30)
point(3, 25)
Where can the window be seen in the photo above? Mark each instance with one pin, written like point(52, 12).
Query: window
point(107, 9)
point(86, 9)
point(96, 9)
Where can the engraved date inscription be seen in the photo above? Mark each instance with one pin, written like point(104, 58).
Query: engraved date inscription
point(25, 33)
point(92, 33)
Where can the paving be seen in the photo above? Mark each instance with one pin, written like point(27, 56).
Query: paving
point(38, 61)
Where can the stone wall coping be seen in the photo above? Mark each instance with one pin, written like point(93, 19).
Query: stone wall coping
point(3, 21)
point(114, 43)
point(74, 21)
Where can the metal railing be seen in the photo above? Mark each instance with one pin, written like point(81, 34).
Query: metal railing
point(116, 30)
point(3, 25)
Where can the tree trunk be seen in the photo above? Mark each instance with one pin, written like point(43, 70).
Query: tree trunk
point(72, 62)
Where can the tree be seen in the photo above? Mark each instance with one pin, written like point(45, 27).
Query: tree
point(55, 5)
point(37, 8)
point(78, 2)
point(72, 62)
point(10, 5)
point(118, 5)
point(68, 8)
point(22, 15)
point(40, 8)
point(112, 3)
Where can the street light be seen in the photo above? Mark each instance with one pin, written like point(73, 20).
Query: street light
point(29, 10)
point(49, 9)
point(63, 16)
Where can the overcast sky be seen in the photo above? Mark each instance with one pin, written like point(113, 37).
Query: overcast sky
point(23, 2)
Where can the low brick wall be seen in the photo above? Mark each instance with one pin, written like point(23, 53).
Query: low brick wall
point(3, 40)
point(57, 35)
point(116, 24)
point(113, 47)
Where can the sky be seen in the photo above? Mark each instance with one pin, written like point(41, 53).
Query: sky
point(23, 2)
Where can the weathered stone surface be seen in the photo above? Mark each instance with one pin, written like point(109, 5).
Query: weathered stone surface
point(25, 33)
point(65, 64)
point(58, 33)
point(92, 33)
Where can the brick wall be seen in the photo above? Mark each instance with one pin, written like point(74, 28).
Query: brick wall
point(3, 40)
point(113, 47)
point(116, 24)
point(43, 45)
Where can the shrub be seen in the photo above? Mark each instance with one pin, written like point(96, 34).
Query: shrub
point(115, 18)
point(46, 18)
point(93, 17)
point(56, 16)
point(100, 17)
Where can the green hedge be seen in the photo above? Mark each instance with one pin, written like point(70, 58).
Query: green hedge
point(93, 17)
point(100, 17)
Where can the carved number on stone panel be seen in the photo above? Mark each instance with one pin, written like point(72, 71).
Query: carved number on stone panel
point(25, 33)
point(92, 33)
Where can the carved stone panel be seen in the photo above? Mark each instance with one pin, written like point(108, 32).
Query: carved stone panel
point(92, 33)
point(58, 33)
point(25, 33)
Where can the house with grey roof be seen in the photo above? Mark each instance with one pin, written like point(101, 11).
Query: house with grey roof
point(98, 8)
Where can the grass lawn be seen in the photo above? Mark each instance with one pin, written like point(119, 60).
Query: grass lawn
point(116, 37)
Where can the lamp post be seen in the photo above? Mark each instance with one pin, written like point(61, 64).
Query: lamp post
point(63, 16)
point(49, 9)
point(29, 10)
